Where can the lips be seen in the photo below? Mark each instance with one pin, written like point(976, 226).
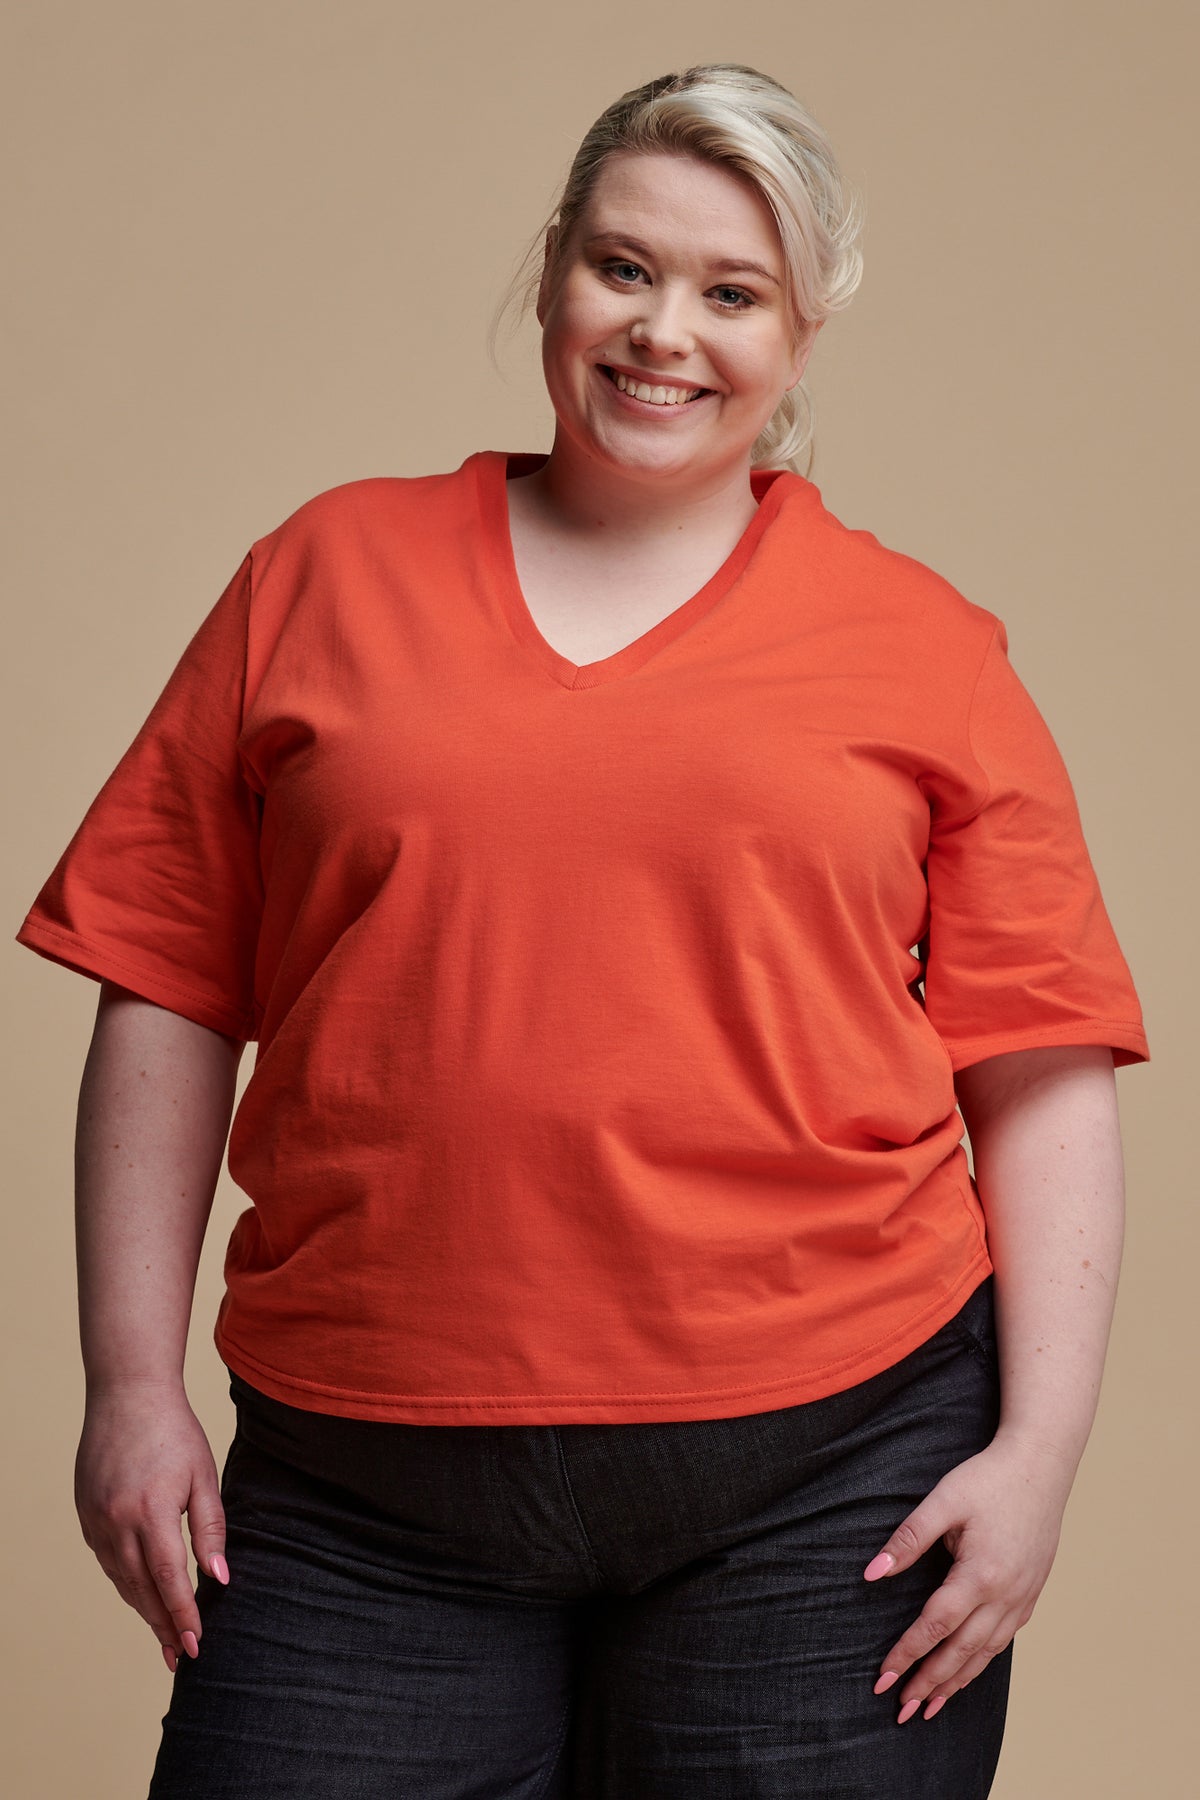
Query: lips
point(674, 384)
point(652, 380)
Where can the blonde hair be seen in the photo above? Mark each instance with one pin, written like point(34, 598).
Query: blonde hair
point(728, 114)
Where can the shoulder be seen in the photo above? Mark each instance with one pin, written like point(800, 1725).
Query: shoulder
point(888, 586)
point(342, 515)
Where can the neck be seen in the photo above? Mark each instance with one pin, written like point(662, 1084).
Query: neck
point(583, 495)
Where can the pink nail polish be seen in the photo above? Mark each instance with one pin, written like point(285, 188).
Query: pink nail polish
point(879, 1565)
point(188, 1640)
point(907, 1711)
point(170, 1658)
point(220, 1569)
point(936, 1705)
point(888, 1679)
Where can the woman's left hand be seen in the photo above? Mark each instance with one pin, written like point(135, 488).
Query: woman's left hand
point(1000, 1514)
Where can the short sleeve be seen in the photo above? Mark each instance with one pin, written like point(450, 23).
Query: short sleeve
point(160, 888)
point(1020, 950)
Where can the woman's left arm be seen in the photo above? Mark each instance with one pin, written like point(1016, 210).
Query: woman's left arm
point(1046, 1144)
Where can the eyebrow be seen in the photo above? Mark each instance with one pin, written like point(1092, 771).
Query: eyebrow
point(727, 266)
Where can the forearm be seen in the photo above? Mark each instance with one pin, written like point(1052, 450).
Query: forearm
point(1046, 1147)
point(154, 1108)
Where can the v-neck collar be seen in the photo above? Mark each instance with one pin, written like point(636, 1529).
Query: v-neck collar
point(493, 467)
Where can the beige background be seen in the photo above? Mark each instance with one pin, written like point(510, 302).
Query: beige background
point(253, 252)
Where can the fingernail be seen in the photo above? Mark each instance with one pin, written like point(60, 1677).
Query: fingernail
point(188, 1640)
point(879, 1565)
point(907, 1711)
point(170, 1658)
point(220, 1568)
point(936, 1705)
point(887, 1680)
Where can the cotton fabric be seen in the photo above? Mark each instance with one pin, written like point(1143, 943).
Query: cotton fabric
point(607, 1016)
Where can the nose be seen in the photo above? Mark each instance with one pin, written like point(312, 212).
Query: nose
point(662, 324)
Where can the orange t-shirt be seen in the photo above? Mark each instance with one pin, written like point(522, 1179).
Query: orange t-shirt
point(594, 1078)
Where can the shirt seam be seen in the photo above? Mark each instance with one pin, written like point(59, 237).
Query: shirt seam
point(39, 927)
point(987, 656)
point(1092, 1021)
point(974, 811)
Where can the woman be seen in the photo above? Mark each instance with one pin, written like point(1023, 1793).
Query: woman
point(626, 870)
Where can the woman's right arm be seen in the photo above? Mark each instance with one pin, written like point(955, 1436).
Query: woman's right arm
point(155, 1103)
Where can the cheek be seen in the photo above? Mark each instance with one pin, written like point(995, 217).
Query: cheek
point(588, 314)
point(759, 373)
point(560, 348)
point(564, 367)
point(557, 344)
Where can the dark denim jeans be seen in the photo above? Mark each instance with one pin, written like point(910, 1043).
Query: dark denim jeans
point(669, 1611)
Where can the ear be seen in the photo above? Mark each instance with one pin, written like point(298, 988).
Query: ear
point(803, 350)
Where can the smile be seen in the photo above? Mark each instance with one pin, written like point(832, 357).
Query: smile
point(652, 396)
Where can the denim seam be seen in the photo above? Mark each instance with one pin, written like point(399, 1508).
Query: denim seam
point(587, 1542)
point(553, 1765)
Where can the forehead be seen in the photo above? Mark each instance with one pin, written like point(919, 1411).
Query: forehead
point(683, 201)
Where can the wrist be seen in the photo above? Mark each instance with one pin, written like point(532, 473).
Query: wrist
point(1042, 1447)
point(103, 1385)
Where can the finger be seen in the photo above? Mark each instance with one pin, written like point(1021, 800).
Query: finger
point(912, 1537)
point(944, 1611)
point(166, 1560)
point(206, 1527)
point(960, 1658)
point(125, 1567)
point(152, 1568)
point(945, 1690)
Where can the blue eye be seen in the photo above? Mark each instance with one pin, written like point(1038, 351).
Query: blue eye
point(742, 301)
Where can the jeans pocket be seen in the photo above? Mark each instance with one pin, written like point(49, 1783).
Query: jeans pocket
point(975, 1325)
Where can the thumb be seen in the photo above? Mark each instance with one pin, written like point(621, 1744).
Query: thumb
point(206, 1528)
point(911, 1538)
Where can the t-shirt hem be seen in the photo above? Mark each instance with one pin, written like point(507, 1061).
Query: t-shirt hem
point(1126, 1039)
point(101, 963)
point(612, 1408)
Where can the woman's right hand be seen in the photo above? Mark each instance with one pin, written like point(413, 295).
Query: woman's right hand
point(143, 1461)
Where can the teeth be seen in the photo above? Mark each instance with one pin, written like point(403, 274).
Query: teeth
point(657, 396)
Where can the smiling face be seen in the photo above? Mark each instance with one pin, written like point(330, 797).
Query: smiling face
point(673, 280)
